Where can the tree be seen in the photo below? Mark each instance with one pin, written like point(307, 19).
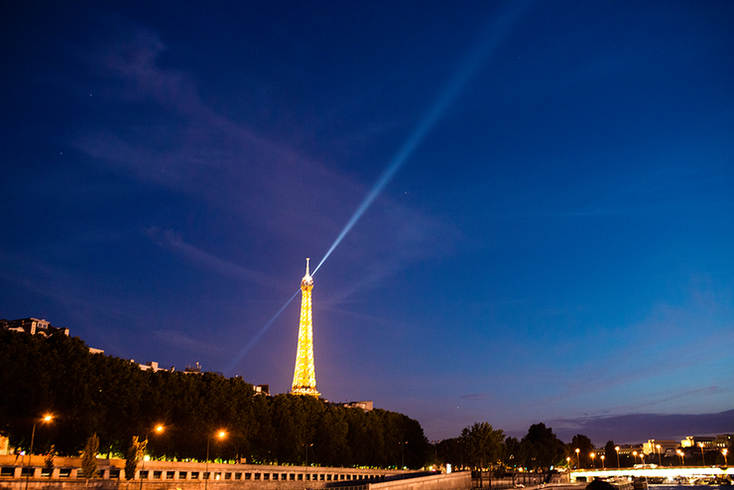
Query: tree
point(511, 452)
point(483, 445)
point(541, 447)
point(450, 451)
point(115, 400)
point(264, 434)
point(585, 447)
point(133, 455)
point(610, 454)
point(48, 463)
point(89, 459)
point(330, 441)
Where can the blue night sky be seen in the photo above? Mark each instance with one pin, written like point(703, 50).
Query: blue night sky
point(543, 195)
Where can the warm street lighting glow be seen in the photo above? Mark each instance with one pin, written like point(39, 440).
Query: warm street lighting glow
point(616, 448)
point(146, 457)
point(593, 461)
point(578, 458)
point(602, 462)
point(46, 418)
point(725, 452)
point(703, 463)
point(221, 435)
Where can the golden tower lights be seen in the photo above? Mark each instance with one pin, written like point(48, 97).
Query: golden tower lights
point(304, 376)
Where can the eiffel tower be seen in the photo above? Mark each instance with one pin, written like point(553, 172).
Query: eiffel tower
point(304, 377)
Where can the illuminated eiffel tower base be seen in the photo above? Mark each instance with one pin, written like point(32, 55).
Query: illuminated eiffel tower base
point(304, 376)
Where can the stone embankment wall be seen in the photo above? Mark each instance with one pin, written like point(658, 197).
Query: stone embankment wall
point(453, 481)
point(18, 474)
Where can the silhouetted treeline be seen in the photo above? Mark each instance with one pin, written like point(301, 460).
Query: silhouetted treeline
point(112, 397)
point(482, 446)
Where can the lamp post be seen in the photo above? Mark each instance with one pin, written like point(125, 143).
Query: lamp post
point(578, 458)
point(402, 454)
point(568, 462)
point(703, 463)
point(221, 435)
point(602, 462)
point(616, 448)
point(680, 453)
point(157, 430)
point(46, 418)
point(634, 454)
point(593, 461)
point(307, 448)
point(725, 452)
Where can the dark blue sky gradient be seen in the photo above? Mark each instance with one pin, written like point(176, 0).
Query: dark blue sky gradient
point(556, 246)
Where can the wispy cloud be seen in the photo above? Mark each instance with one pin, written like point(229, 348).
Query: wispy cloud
point(172, 241)
point(182, 343)
point(639, 427)
point(666, 364)
point(87, 298)
point(231, 163)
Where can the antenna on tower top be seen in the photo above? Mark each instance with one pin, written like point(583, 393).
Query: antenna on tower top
point(307, 271)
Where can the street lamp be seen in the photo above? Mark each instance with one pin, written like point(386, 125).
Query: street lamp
point(703, 463)
point(680, 453)
point(616, 448)
point(593, 461)
point(578, 458)
point(634, 454)
point(725, 452)
point(402, 454)
point(568, 462)
point(46, 418)
point(221, 435)
point(602, 462)
point(307, 447)
point(157, 430)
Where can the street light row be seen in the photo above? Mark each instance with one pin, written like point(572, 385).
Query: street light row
point(635, 454)
point(159, 428)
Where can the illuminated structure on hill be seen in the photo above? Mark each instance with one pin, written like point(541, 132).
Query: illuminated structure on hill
point(304, 376)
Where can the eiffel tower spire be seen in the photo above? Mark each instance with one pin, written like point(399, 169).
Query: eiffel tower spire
point(304, 376)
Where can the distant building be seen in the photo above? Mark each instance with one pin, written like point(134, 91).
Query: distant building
point(33, 326)
point(629, 449)
point(724, 441)
point(666, 447)
point(364, 405)
point(262, 390)
point(195, 369)
point(152, 365)
point(698, 441)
